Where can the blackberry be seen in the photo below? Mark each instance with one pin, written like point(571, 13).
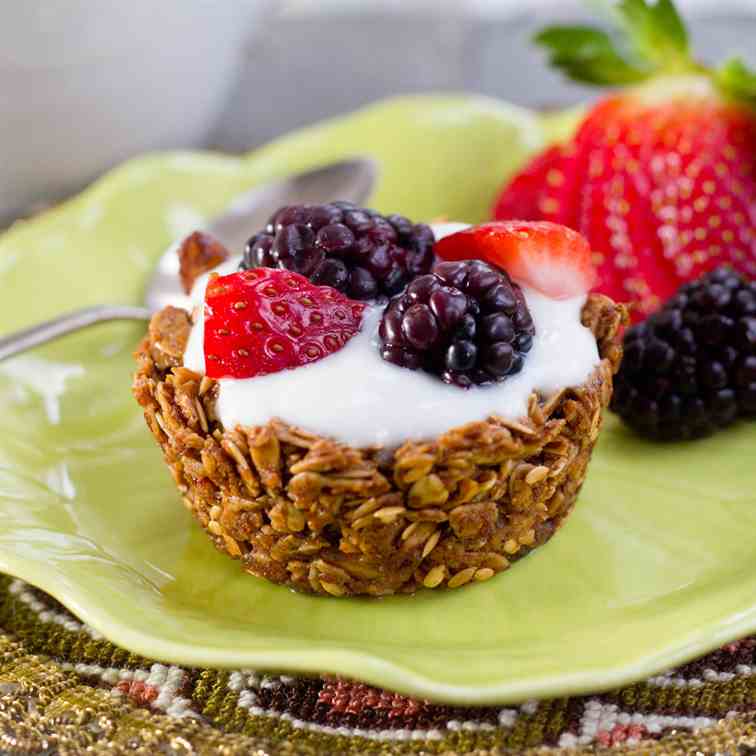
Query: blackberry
point(690, 368)
point(466, 322)
point(357, 251)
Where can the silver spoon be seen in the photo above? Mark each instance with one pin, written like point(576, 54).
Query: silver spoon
point(351, 180)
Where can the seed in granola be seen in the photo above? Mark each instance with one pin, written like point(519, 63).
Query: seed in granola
point(496, 562)
point(409, 530)
point(536, 475)
point(201, 414)
point(205, 385)
point(528, 538)
point(364, 509)
point(333, 588)
point(295, 520)
point(428, 490)
point(484, 573)
point(363, 522)
point(435, 576)
point(232, 546)
point(419, 536)
point(388, 514)
point(462, 577)
point(431, 543)
point(511, 546)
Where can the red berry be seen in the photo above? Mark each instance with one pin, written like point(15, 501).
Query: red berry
point(545, 256)
point(660, 178)
point(663, 192)
point(526, 194)
point(262, 321)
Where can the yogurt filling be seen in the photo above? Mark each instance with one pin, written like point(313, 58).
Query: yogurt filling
point(358, 398)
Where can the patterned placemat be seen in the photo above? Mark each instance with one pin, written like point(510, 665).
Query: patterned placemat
point(65, 689)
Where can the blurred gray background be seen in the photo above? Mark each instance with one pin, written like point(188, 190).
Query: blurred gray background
point(316, 58)
point(85, 85)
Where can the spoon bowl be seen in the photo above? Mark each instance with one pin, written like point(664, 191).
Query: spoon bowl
point(351, 180)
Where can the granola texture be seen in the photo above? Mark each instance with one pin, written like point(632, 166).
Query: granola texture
point(323, 517)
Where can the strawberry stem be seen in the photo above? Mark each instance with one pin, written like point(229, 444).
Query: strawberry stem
point(649, 39)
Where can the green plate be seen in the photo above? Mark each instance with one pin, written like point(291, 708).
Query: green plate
point(656, 565)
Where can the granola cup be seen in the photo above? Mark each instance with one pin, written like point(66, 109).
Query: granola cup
point(324, 517)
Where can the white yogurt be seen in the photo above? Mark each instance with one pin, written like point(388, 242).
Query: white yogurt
point(355, 396)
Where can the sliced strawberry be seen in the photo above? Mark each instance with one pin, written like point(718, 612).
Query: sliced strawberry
point(546, 256)
point(263, 321)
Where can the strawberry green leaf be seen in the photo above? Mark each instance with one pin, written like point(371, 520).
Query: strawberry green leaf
point(651, 39)
point(589, 55)
point(736, 80)
point(656, 32)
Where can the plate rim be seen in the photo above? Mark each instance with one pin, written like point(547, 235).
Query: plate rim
point(368, 665)
point(371, 667)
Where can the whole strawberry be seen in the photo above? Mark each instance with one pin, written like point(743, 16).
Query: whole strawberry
point(263, 321)
point(661, 177)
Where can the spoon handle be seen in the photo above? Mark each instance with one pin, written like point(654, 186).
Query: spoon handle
point(20, 341)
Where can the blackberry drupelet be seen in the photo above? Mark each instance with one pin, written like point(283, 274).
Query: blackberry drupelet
point(466, 322)
point(357, 251)
point(690, 368)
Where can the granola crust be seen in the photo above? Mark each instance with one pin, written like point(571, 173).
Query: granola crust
point(323, 517)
